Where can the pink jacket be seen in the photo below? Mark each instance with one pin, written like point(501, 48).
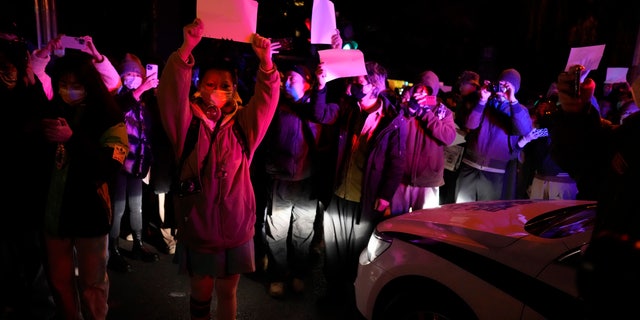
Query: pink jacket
point(222, 215)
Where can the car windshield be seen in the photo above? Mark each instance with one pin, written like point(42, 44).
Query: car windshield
point(563, 222)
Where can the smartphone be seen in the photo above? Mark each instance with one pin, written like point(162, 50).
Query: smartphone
point(73, 42)
point(152, 71)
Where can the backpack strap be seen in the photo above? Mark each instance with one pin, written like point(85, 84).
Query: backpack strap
point(189, 141)
point(242, 138)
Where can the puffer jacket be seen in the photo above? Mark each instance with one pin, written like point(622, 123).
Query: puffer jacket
point(138, 122)
point(222, 215)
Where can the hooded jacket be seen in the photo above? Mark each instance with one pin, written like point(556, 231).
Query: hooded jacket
point(222, 215)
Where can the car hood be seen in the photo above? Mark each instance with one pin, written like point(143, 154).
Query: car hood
point(484, 223)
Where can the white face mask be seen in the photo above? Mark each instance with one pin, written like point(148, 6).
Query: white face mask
point(132, 82)
point(221, 97)
point(73, 96)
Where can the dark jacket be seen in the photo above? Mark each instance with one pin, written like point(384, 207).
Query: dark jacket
point(291, 141)
point(78, 201)
point(428, 133)
point(386, 157)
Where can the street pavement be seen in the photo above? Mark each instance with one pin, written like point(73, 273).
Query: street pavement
point(155, 291)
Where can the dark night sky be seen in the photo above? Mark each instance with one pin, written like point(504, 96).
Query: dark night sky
point(406, 36)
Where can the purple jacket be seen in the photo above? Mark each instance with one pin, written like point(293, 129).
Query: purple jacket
point(494, 132)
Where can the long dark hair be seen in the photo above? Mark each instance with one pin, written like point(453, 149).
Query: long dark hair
point(81, 65)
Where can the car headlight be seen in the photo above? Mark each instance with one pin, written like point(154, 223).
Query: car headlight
point(378, 243)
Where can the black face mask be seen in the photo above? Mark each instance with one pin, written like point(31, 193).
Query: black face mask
point(356, 91)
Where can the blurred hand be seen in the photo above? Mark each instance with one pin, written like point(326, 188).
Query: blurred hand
point(569, 102)
point(321, 75)
point(336, 40)
point(90, 48)
point(56, 130)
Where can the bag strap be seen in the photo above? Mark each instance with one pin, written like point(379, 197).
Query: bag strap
point(189, 141)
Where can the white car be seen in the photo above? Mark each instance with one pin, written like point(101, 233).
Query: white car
point(506, 259)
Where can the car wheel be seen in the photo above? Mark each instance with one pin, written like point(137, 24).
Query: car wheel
point(418, 300)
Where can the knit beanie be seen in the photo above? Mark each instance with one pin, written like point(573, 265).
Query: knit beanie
point(469, 77)
point(430, 79)
point(512, 76)
point(131, 63)
point(303, 71)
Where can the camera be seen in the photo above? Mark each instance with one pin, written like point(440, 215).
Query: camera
point(189, 187)
point(494, 87)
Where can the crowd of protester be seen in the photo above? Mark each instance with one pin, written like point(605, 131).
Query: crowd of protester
point(265, 171)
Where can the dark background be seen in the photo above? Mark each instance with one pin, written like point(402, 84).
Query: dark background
point(405, 36)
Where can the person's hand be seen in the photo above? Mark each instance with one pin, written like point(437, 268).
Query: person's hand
point(275, 48)
point(569, 101)
point(485, 93)
point(52, 46)
point(192, 34)
point(30, 77)
point(56, 130)
point(147, 83)
point(510, 93)
point(321, 75)
point(336, 40)
point(263, 49)
point(90, 48)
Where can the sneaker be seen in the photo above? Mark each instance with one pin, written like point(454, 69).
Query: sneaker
point(297, 285)
point(276, 289)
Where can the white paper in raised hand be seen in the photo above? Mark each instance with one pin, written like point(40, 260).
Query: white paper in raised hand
point(615, 75)
point(323, 22)
point(339, 63)
point(235, 20)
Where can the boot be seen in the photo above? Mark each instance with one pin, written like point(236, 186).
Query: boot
point(116, 261)
point(138, 251)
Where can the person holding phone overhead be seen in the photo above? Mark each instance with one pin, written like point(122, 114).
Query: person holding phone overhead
point(133, 97)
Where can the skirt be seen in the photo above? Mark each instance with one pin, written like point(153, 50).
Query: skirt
point(237, 260)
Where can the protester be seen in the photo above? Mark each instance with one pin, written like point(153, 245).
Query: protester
point(214, 199)
point(605, 162)
point(88, 145)
point(290, 148)
point(466, 94)
point(495, 125)
point(431, 127)
point(371, 142)
point(127, 190)
point(24, 289)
